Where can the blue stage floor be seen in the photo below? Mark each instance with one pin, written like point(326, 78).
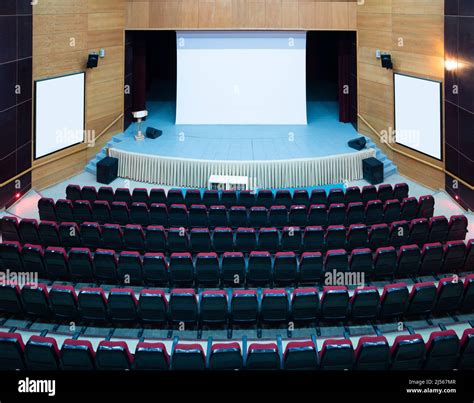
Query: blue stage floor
point(323, 136)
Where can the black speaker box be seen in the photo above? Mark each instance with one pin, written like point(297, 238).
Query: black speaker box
point(358, 143)
point(153, 133)
point(107, 170)
point(373, 170)
point(92, 61)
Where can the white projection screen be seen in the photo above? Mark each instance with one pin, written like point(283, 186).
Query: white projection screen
point(59, 113)
point(241, 78)
point(418, 123)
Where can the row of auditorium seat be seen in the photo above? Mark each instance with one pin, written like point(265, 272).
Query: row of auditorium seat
point(223, 239)
point(269, 305)
point(258, 268)
point(444, 350)
point(245, 198)
point(198, 215)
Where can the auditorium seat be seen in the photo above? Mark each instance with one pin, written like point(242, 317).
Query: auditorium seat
point(192, 196)
point(334, 302)
point(151, 356)
point(275, 305)
point(305, 304)
point(431, 259)
point(313, 238)
point(197, 216)
point(419, 230)
point(360, 261)
point(56, 262)
point(426, 206)
point(297, 215)
point(134, 237)
point(466, 354)
point(407, 352)
point(264, 198)
point(457, 228)
point(469, 262)
point(355, 213)
point(11, 352)
point(122, 305)
point(301, 197)
point(188, 357)
point(113, 356)
point(69, 234)
point(223, 239)
point(63, 301)
point(353, 195)
point(374, 212)
point(245, 239)
point(268, 239)
point(112, 236)
point(10, 299)
point(101, 211)
point(238, 216)
point(207, 269)
point(258, 216)
point(318, 215)
point(336, 355)
point(442, 351)
point(244, 306)
point(422, 299)
point(106, 193)
point(73, 192)
point(408, 261)
point(372, 354)
point(123, 195)
point(91, 235)
point(77, 355)
point(152, 306)
point(283, 197)
point(233, 269)
point(129, 267)
point(393, 301)
point(35, 299)
point(369, 193)
point(409, 208)
point(335, 237)
point(285, 268)
point(291, 239)
point(300, 355)
point(311, 267)
point(47, 209)
point(229, 198)
point(450, 292)
point(82, 211)
point(105, 264)
point(139, 213)
point(89, 193)
point(336, 196)
point(364, 303)
point(200, 240)
point(42, 354)
point(140, 195)
point(454, 256)
point(259, 270)
point(178, 240)
point(155, 269)
point(217, 216)
point(181, 268)
point(32, 257)
point(357, 236)
point(92, 303)
point(379, 236)
point(158, 195)
point(468, 297)
point(64, 210)
point(214, 307)
point(28, 232)
point(183, 306)
point(159, 214)
point(81, 266)
point(400, 191)
point(337, 214)
point(49, 233)
point(247, 198)
point(391, 211)
point(385, 192)
point(178, 215)
point(225, 356)
point(119, 213)
point(399, 233)
point(210, 197)
point(336, 260)
point(263, 356)
point(155, 238)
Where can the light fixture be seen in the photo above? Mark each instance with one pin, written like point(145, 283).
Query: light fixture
point(451, 64)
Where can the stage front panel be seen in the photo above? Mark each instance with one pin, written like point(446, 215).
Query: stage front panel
point(241, 78)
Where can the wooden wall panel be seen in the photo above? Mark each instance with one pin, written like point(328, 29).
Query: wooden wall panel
point(64, 33)
point(241, 14)
point(412, 31)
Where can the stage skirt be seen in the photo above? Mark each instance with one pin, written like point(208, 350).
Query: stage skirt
point(195, 173)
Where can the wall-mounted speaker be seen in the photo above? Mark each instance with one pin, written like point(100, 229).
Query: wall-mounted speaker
point(372, 170)
point(153, 133)
point(358, 143)
point(92, 61)
point(387, 61)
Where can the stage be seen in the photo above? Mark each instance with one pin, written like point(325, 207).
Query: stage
point(270, 155)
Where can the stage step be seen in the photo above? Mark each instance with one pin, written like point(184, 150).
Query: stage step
point(91, 166)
